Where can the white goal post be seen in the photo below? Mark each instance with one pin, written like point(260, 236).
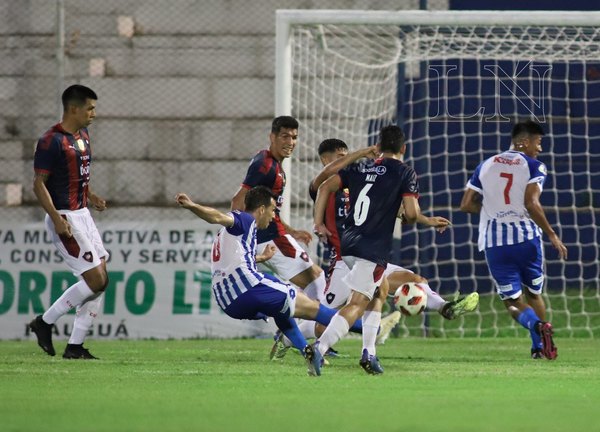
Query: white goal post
point(455, 81)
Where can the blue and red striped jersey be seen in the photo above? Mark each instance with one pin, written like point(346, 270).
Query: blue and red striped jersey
point(335, 215)
point(265, 170)
point(66, 158)
point(376, 191)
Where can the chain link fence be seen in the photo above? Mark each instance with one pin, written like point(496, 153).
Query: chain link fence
point(186, 94)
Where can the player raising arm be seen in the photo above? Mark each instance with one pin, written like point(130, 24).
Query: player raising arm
point(243, 292)
point(505, 190)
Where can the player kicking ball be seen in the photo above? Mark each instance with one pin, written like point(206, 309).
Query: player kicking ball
point(243, 292)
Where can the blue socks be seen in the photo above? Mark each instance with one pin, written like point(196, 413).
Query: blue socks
point(290, 329)
point(529, 319)
point(325, 314)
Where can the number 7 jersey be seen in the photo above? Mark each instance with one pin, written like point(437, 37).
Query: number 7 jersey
point(502, 180)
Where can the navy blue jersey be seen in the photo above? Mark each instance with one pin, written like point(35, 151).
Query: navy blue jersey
point(265, 170)
point(66, 159)
point(376, 191)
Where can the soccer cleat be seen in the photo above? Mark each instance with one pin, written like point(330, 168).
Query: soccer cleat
point(370, 363)
point(43, 331)
point(279, 350)
point(314, 359)
point(78, 352)
point(536, 353)
point(549, 350)
point(332, 353)
point(387, 325)
point(455, 308)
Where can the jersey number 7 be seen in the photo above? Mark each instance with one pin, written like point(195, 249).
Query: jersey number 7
point(509, 182)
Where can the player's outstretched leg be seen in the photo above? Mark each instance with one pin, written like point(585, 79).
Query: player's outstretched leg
point(454, 309)
point(387, 325)
point(43, 331)
point(370, 363)
point(549, 350)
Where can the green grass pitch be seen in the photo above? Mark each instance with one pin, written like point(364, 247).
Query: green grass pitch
point(230, 385)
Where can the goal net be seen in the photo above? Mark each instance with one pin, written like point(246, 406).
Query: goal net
point(455, 83)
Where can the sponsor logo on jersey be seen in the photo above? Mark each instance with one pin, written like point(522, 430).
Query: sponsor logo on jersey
point(505, 161)
point(379, 170)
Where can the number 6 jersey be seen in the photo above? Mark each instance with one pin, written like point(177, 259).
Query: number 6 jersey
point(376, 191)
point(501, 180)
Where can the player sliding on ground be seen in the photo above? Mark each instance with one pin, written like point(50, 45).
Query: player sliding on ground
point(240, 290)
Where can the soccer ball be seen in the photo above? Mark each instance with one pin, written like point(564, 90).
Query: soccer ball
point(410, 299)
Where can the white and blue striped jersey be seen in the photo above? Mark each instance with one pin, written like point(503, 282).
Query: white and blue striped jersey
point(233, 261)
point(502, 180)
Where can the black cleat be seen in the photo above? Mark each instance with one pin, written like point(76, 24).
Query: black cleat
point(43, 331)
point(73, 352)
point(536, 353)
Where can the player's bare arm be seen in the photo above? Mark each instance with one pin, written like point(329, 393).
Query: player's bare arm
point(209, 214)
point(471, 201)
point(330, 185)
point(61, 225)
point(412, 210)
point(300, 235)
point(332, 168)
point(437, 222)
point(237, 202)
point(97, 202)
point(536, 212)
point(266, 254)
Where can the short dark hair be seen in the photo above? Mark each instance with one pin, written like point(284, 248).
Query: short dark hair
point(256, 197)
point(528, 127)
point(77, 95)
point(391, 139)
point(331, 145)
point(283, 122)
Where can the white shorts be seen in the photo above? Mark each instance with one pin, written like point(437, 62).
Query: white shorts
point(337, 292)
point(83, 251)
point(289, 259)
point(364, 276)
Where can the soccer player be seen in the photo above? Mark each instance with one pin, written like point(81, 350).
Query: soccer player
point(61, 184)
point(243, 292)
point(377, 189)
point(505, 190)
point(334, 157)
point(290, 262)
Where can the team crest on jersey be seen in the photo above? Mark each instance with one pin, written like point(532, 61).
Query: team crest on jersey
point(330, 297)
point(542, 169)
point(304, 256)
point(87, 256)
point(80, 144)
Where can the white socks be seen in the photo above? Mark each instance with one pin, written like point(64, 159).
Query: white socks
point(434, 301)
point(72, 297)
point(315, 289)
point(337, 329)
point(371, 322)
point(85, 318)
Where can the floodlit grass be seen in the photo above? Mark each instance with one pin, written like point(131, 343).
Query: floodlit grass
point(230, 385)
